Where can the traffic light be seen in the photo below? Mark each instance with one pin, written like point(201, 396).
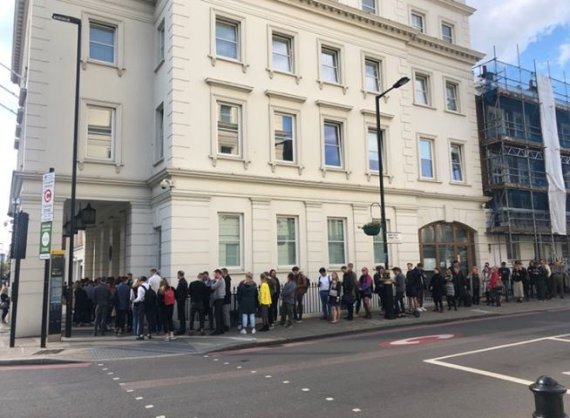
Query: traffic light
point(19, 236)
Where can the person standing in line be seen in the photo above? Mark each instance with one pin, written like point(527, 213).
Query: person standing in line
point(334, 297)
point(90, 306)
point(389, 311)
point(218, 296)
point(365, 283)
point(505, 274)
point(227, 299)
point(5, 303)
point(548, 282)
point(474, 285)
point(496, 287)
point(288, 301)
point(358, 300)
point(275, 289)
point(518, 281)
point(300, 290)
point(247, 299)
point(558, 279)
point(264, 301)
point(141, 286)
point(450, 290)
point(411, 288)
point(209, 307)
point(379, 286)
point(324, 282)
point(486, 277)
point(420, 281)
point(400, 280)
point(459, 282)
point(349, 290)
point(437, 289)
point(102, 300)
point(154, 281)
point(166, 301)
point(199, 298)
point(533, 274)
point(134, 307)
point(181, 296)
point(122, 305)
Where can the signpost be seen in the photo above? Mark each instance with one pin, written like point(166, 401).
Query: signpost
point(48, 197)
point(394, 237)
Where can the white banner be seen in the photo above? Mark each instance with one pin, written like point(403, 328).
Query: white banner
point(552, 162)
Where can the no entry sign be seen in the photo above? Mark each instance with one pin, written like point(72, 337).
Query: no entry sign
point(424, 339)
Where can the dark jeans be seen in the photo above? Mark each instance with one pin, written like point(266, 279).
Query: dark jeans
point(286, 313)
point(349, 304)
point(507, 287)
point(476, 298)
point(451, 302)
point(139, 311)
point(150, 313)
point(4, 314)
point(358, 303)
point(198, 308)
point(209, 310)
point(101, 314)
point(265, 315)
point(166, 313)
point(181, 308)
point(273, 309)
point(325, 305)
point(438, 301)
point(219, 315)
point(298, 307)
point(120, 320)
point(421, 297)
point(400, 306)
point(541, 289)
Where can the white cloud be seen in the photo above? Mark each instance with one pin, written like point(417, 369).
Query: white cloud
point(564, 57)
point(506, 23)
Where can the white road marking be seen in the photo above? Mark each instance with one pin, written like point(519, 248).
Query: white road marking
point(305, 389)
point(268, 376)
point(105, 369)
point(149, 406)
point(438, 361)
point(253, 371)
point(285, 382)
point(206, 356)
point(238, 367)
point(122, 384)
point(356, 410)
point(216, 359)
point(130, 390)
point(566, 373)
point(329, 399)
point(161, 416)
point(115, 378)
point(138, 398)
point(110, 373)
point(226, 363)
point(100, 364)
point(562, 340)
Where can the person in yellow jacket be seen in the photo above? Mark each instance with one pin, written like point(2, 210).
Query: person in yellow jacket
point(264, 301)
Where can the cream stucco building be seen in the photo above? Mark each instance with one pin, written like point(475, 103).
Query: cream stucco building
point(260, 116)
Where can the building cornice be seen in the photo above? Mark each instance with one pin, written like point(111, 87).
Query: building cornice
point(332, 105)
point(412, 37)
point(19, 29)
point(285, 96)
point(229, 85)
point(459, 7)
point(305, 184)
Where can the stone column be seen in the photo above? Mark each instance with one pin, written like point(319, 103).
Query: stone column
point(88, 259)
point(141, 246)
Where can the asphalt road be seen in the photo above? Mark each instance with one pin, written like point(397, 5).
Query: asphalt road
point(480, 369)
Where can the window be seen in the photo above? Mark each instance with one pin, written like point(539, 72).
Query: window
point(336, 234)
point(417, 21)
point(447, 32)
point(227, 39)
point(229, 237)
point(160, 41)
point(284, 125)
point(102, 42)
point(451, 90)
point(369, 6)
point(286, 241)
point(229, 129)
point(100, 135)
point(160, 132)
point(373, 164)
point(333, 144)
point(456, 162)
point(422, 90)
point(329, 65)
point(372, 70)
point(426, 158)
point(378, 245)
point(282, 55)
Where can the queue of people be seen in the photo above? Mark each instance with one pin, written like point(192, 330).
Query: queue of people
point(145, 306)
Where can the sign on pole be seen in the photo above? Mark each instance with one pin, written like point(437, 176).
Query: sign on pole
point(394, 237)
point(48, 197)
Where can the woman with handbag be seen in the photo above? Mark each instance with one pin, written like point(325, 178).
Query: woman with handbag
point(365, 287)
point(334, 297)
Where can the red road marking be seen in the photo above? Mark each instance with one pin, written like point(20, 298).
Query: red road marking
point(45, 366)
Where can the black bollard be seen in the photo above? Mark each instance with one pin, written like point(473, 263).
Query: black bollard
point(548, 398)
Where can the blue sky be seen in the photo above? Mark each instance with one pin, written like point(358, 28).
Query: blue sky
point(541, 29)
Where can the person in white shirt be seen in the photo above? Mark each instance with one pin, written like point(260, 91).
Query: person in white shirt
point(324, 289)
point(154, 282)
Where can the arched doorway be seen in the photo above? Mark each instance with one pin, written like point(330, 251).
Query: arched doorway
point(441, 243)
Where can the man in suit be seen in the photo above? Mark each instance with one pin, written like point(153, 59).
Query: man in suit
point(102, 301)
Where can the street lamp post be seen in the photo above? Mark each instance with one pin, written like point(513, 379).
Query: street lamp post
point(396, 85)
point(68, 310)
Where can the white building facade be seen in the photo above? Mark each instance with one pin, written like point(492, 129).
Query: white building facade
point(259, 114)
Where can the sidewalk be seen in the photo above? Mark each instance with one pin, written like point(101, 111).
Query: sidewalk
point(83, 347)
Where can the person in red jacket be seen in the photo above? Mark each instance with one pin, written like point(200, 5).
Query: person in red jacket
point(496, 286)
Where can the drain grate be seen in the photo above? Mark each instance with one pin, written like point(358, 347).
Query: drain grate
point(42, 352)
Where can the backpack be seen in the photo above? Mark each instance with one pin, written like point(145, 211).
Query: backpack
point(169, 297)
point(149, 297)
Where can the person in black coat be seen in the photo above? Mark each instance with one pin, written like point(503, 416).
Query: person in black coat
point(247, 299)
point(181, 295)
point(459, 283)
point(437, 289)
point(199, 296)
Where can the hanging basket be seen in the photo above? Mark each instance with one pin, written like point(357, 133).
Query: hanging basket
point(371, 228)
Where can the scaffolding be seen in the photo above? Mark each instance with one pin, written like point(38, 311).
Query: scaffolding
point(512, 154)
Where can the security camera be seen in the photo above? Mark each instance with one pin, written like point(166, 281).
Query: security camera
point(166, 184)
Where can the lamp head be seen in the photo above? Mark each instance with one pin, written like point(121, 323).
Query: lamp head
point(400, 82)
